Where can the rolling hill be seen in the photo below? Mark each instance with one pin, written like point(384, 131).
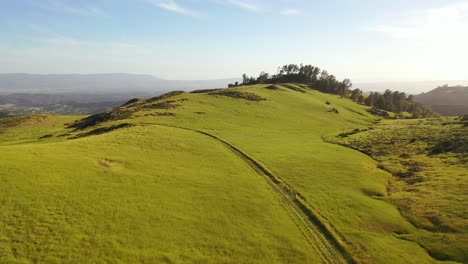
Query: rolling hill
point(254, 174)
point(446, 100)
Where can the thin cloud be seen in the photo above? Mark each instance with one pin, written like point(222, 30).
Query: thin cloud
point(444, 23)
point(290, 12)
point(67, 41)
point(51, 38)
point(244, 5)
point(40, 29)
point(173, 6)
point(82, 11)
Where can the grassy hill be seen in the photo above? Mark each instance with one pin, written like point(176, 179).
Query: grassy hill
point(446, 100)
point(244, 175)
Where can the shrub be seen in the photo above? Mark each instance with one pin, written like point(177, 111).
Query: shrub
point(456, 144)
point(333, 110)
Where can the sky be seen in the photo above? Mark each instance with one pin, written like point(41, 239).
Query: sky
point(365, 40)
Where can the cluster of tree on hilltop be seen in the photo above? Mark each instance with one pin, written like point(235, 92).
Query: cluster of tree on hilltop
point(322, 81)
point(398, 102)
point(307, 74)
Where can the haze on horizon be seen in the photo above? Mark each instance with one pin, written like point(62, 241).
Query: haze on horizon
point(363, 40)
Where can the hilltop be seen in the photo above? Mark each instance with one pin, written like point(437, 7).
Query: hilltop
point(446, 100)
point(255, 173)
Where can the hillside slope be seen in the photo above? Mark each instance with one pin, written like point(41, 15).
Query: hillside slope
point(446, 100)
point(231, 176)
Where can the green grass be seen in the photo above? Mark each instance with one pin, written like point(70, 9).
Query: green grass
point(33, 129)
point(149, 193)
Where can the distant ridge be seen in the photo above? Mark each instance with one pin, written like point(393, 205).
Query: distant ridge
point(446, 100)
point(407, 87)
point(98, 83)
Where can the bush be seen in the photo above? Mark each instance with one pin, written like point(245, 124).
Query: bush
point(457, 144)
point(404, 175)
point(333, 110)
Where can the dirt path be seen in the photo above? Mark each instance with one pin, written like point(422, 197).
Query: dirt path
point(317, 233)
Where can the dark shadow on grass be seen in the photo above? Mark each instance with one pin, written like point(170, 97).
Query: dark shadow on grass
point(205, 91)
point(102, 130)
point(116, 114)
point(239, 95)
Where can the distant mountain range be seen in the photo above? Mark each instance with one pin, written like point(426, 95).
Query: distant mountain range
point(99, 83)
point(130, 83)
point(22, 94)
point(90, 93)
point(407, 87)
point(446, 100)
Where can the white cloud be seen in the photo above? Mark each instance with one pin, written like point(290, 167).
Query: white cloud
point(244, 5)
point(290, 12)
point(448, 23)
point(172, 6)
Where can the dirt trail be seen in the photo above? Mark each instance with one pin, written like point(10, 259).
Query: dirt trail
point(317, 233)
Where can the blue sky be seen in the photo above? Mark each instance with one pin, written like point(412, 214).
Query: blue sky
point(385, 40)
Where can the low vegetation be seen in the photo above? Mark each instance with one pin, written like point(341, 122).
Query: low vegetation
point(428, 161)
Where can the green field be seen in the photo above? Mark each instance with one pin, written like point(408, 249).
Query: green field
point(246, 176)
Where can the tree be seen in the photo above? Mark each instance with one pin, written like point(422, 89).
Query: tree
point(361, 99)
point(245, 79)
point(371, 99)
point(324, 75)
point(355, 94)
point(262, 78)
point(344, 87)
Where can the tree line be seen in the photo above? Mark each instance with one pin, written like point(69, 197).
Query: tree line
point(318, 79)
